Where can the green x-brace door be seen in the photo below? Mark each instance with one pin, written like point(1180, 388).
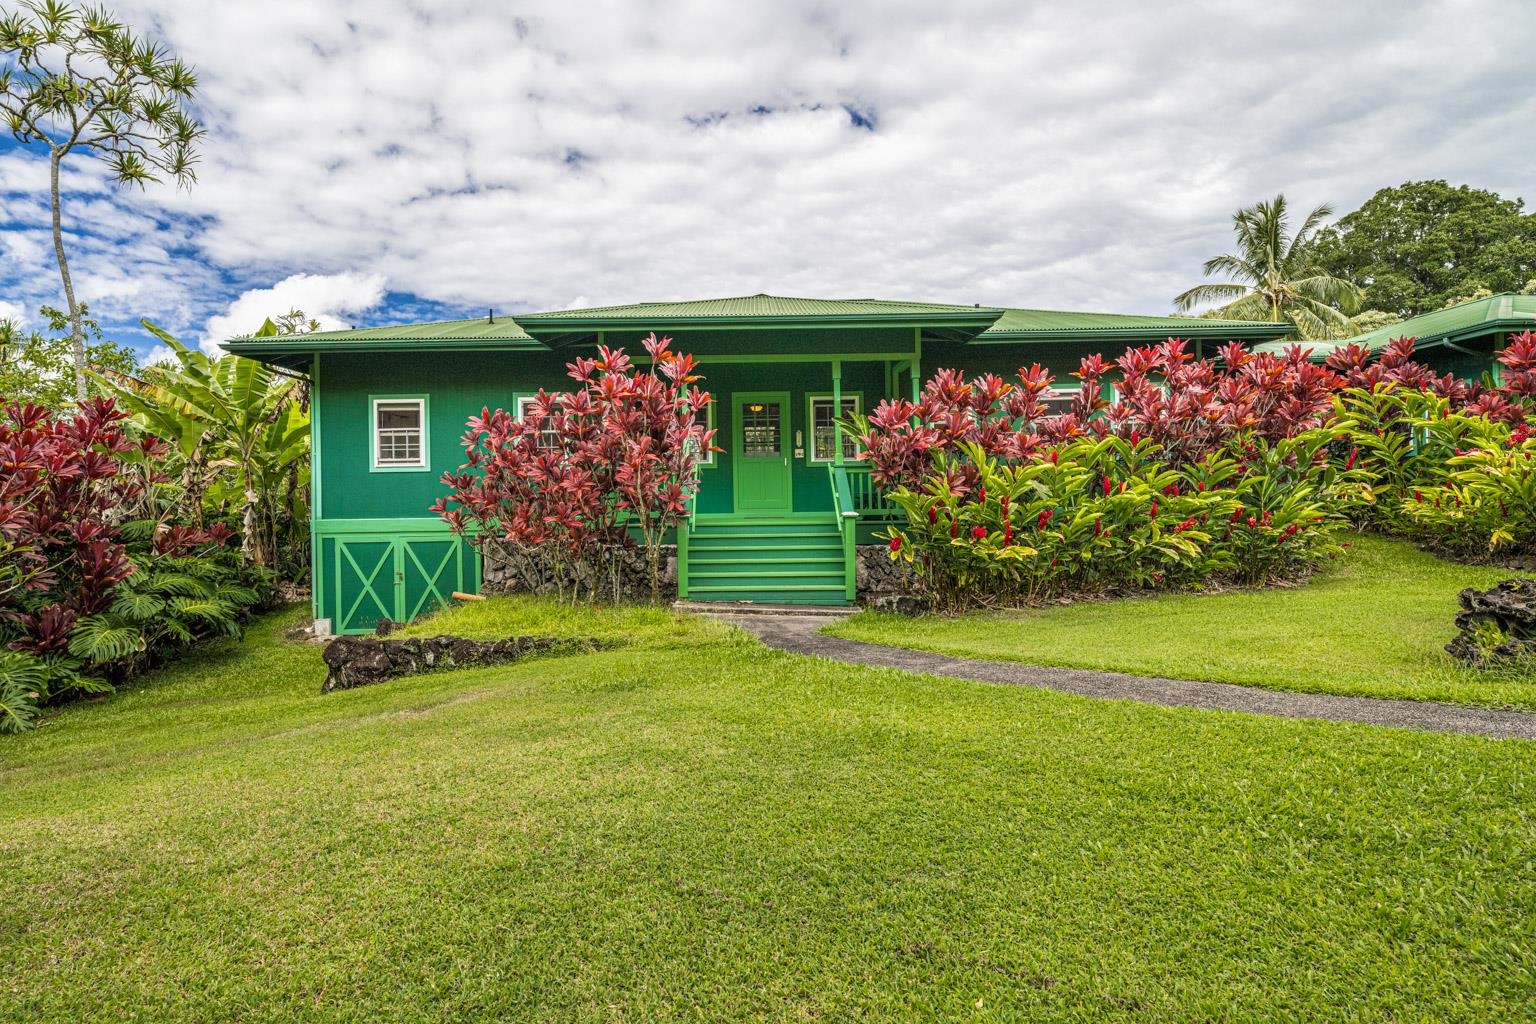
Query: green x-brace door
point(399, 578)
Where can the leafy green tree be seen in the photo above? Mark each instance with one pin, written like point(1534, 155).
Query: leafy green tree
point(1274, 278)
point(1418, 246)
point(76, 80)
point(36, 366)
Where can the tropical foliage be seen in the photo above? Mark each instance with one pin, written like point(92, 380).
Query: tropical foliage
point(85, 597)
point(1274, 276)
point(238, 433)
point(1198, 470)
point(581, 470)
point(1100, 514)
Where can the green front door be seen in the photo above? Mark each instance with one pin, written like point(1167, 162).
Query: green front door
point(761, 455)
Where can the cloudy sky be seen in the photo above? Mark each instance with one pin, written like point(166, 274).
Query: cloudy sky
point(381, 161)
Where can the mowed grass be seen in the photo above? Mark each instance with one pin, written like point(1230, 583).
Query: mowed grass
point(1374, 624)
point(697, 828)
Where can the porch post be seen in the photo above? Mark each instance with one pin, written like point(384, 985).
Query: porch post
point(837, 414)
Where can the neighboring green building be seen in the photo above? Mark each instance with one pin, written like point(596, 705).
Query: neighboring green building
point(779, 510)
point(1463, 339)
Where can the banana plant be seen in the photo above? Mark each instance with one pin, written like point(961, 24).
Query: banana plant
point(240, 434)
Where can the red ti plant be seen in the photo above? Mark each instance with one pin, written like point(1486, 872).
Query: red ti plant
point(60, 482)
point(579, 469)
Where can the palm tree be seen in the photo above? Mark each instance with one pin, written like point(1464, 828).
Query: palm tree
point(1274, 277)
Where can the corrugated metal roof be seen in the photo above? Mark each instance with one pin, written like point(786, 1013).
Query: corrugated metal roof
point(1507, 311)
point(1496, 313)
point(760, 305)
point(1025, 322)
point(503, 328)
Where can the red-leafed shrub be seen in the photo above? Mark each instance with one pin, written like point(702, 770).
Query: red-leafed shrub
point(1188, 407)
point(580, 470)
point(59, 485)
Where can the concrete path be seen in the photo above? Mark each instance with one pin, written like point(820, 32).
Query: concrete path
point(798, 634)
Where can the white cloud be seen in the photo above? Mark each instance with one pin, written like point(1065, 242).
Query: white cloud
point(1073, 156)
point(327, 298)
point(14, 312)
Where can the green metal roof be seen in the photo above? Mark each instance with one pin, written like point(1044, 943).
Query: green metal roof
point(1477, 318)
point(1496, 313)
point(499, 329)
point(988, 324)
point(762, 307)
point(1053, 325)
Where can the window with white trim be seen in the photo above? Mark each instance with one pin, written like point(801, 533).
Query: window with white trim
point(706, 416)
point(549, 437)
point(1058, 401)
point(824, 428)
point(399, 433)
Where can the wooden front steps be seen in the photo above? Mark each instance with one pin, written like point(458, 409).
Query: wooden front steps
point(766, 562)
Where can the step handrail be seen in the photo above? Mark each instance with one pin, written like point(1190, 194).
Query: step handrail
point(847, 526)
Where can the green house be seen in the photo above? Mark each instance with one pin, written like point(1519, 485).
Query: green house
point(781, 511)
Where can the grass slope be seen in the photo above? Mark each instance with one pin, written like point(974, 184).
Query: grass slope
point(1373, 626)
point(696, 828)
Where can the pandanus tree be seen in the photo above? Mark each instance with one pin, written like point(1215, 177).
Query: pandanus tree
point(579, 470)
point(239, 432)
point(76, 80)
point(1274, 276)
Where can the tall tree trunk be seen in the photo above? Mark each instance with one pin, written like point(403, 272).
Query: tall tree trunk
point(76, 331)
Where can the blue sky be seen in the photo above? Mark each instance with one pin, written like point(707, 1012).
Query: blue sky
point(384, 161)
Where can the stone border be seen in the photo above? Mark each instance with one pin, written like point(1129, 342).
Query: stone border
point(360, 661)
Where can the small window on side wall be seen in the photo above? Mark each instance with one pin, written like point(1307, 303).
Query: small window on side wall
point(399, 433)
point(549, 437)
point(824, 428)
point(706, 419)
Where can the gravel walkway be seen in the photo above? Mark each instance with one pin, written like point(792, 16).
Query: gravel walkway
point(798, 634)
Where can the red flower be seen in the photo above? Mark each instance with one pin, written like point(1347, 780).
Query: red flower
point(954, 527)
point(1007, 534)
point(1354, 453)
point(933, 515)
point(1045, 518)
point(978, 532)
point(1252, 521)
point(1152, 512)
point(1106, 487)
point(1236, 515)
point(895, 543)
point(1005, 506)
point(981, 494)
point(1098, 527)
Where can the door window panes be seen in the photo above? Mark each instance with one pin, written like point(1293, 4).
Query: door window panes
point(760, 433)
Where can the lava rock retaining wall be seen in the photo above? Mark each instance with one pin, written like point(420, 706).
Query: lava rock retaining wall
point(359, 661)
point(528, 571)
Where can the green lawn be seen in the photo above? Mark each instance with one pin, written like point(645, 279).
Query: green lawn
point(1374, 625)
point(697, 828)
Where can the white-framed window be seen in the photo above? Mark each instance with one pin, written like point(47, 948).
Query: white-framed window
point(824, 428)
point(1058, 401)
point(399, 432)
point(707, 417)
point(549, 437)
